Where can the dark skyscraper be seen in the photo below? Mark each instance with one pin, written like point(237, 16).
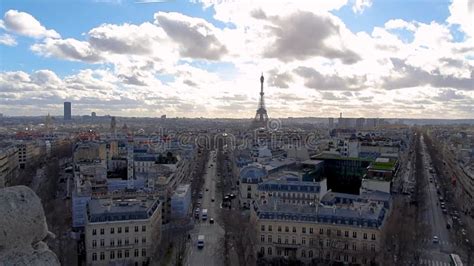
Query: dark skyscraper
point(67, 111)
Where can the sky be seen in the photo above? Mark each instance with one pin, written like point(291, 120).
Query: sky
point(204, 58)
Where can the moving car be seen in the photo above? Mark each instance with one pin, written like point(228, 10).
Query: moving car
point(200, 242)
point(211, 221)
point(435, 240)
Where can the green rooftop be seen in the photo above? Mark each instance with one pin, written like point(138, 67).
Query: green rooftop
point(384, 166)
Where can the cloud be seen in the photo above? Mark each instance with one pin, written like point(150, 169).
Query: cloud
point(407, 76)
point(25, 24)
point(69, 49)
point(316, 80)
point(449, 95)
point(127, 38)
point(399, 24)
point(462, 13)
point(279, 79)
point(360, 5)
point(195, 37)
point(7, 39)
point(302, 35)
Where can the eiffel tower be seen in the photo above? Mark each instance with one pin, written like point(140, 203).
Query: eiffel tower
point(261, 117)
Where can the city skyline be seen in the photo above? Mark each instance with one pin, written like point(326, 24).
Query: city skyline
point(204, 58)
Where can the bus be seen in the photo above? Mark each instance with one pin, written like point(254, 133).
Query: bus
point(455, 260)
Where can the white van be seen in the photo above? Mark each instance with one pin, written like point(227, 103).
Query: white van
point(200, 242)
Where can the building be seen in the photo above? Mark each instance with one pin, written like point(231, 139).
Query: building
point(28, 151)
point(344, 228)
point(9, 163)
point(181, 201)
point(330, 123)
point(93, 114)
point(122, 231)
point(250, 177)
point(380, 174)
point(67, 111)
point(261, 116)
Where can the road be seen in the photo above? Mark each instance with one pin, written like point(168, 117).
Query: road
point(434, 219)
point(213, 233)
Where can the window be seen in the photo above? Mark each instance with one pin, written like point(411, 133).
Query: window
point(338, 232)
point(364, 260)
point(270, 228)
point(279, 228)
point(321, 231)
point(119, 242)
point(365, 235)
point(270, 239)
point(303, 230)
point(94, 256)
point(135, 254)
point(303, 240)
point(126, 241)
point(287, 229)
point(262, 228)
point(136, 228)
point(136, 240)
point(262, 238)
point(311, 230)
point(119, 230)
point(354, 234)
point(143, 228)
point(127, 254)
point(346, 258)
point(346, 233)
point(293, 240)
point(262, 250)
point(94, 243)
point(303, 253)
point(112, 242)
point(112, 255)
point(94, 232)
point(294, 229)
point(102, 256)
point(286, 252)
point(328, 243)
point(310, 254)
point(102, 231)
point(112, 230)
point(279, 239)
point(364, 247)
point(102, 242)
point(354, 259)
point(126, 229)
point(279, 252)
point(143, 240)
point(286, 240)
point(346, 246)
point(354, 246)
point(143, 252)
point(119, 254)
point(372, 248)
point(270, 251)
point(328, 232)
point(373, 237)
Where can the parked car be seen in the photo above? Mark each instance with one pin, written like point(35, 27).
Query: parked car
point(211, 221)
point(435, 240)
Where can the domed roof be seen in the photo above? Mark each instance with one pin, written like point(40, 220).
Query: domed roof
point(252, 174)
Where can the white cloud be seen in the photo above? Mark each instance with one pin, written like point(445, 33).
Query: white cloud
point(25, 24)
point(69, 49)
point(462, 14)
point(7, 39)
point(399, 24)
point(360, 5)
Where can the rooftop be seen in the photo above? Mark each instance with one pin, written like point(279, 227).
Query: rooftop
point(136, 208)
point(369, 215)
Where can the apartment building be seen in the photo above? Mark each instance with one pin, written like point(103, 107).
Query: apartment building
point(8, 163)
point(349, 231)
point(122, 231)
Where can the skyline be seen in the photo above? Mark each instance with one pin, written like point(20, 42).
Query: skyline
point(204, 58)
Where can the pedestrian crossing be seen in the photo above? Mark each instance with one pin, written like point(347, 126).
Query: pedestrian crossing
point(427, 262)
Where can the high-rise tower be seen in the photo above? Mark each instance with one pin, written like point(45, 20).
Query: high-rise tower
point(67, 111)
point(261, 117)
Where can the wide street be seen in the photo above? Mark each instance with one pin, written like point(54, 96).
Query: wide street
point(213, 233)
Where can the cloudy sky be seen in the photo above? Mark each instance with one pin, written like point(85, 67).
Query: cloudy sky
point(372, 58)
